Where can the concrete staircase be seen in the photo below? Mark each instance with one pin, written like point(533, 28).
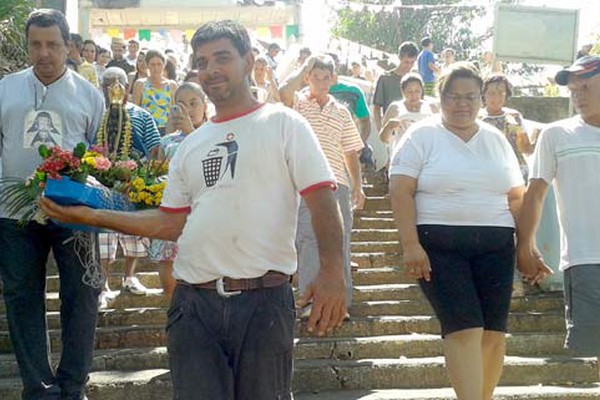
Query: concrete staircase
point(389, 350)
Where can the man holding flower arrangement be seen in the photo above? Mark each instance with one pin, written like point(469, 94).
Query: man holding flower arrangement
point(68, 109)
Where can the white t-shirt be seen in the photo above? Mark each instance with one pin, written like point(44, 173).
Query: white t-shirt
point(241, 181)
point(458, 182)
point(568, 156)
point(399, 111)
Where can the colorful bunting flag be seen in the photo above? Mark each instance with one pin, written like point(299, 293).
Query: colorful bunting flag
point(262, 32)
point(129, 34)
point(144, 34)
point(113, 32)
point(292, 30)
point(276, 31)
point(189, 34)
point(176, 35)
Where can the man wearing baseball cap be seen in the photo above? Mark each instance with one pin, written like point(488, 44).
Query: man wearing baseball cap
point(568, 156)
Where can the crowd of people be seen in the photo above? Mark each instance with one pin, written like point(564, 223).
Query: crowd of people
point(265, 171)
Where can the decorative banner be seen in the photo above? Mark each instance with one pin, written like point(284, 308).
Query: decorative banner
point(292, 30)
point(129, 34)
point(276, 31)
point(113, 32)
point(96, 33)
point(263, 32)
point(144, 34)
point(189, 34)
point(176, 35)
point(162, 33)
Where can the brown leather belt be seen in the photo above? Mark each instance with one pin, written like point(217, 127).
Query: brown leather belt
point(230, 287)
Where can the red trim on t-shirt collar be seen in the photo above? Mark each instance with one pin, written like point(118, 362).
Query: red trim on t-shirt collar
point(319, 185)
point(231, 117)
point(172, 210)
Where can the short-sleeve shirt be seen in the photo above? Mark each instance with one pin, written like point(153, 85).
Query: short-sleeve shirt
point(64, 113)
point(335, 129)
point(240, 180)
point(425, 58)
point(145, 135)
point(567, 155)
point(458, 183)
point(387, 90)
point(352, 97)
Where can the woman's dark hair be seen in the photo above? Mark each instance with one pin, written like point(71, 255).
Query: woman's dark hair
point(226, 29)
point(497, 78)
point(171, 70)
point(459, 70)
point(45, 18)
point(101, 50)
point(192, 73)
point(153, 54)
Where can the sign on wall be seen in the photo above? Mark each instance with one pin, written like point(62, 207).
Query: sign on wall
point(535, 34)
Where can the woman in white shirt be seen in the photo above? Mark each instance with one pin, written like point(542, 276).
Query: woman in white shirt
point(401, 114)
point(456, 188)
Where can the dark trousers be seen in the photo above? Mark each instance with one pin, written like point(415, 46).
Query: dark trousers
point(23, 256)
point(236, 348)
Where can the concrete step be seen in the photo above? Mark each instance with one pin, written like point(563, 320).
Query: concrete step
point(388, 246)
point(537, 344)
point(375, 190)
point(150, 310)
point(124, 332)
point(374, 213)
point(370, 235)
point(361, 222)
point(426, 373)
point(377, 258)
point(149, 279)
point(533, 392)
point(155, 384)
point(377, 203)
point(390, 346)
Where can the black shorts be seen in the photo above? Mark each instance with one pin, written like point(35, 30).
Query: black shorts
point(472, 275)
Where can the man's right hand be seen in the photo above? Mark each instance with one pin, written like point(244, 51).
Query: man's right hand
point(327, 293)
point(530, 263)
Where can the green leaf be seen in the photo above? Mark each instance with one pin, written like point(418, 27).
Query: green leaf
point(44, 151)
point(79, 150)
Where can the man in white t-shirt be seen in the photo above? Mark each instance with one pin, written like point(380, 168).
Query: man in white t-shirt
point(231, 203)
point(568, 156)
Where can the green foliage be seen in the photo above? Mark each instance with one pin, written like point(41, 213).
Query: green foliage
point(448, 25)
point(13, 49)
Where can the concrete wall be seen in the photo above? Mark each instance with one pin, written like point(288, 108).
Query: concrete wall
point(541, 109)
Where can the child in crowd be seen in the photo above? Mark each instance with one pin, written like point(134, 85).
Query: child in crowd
point(188, 113)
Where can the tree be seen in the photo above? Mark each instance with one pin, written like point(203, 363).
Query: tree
point(13, 47)
point(446, 22)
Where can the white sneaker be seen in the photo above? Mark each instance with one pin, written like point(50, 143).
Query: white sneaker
point(133, 285)
point(104, 299)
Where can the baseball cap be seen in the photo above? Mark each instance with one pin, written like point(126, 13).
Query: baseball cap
point(585, 67)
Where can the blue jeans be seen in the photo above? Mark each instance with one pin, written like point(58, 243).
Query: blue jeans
point(23, 256)
point(236, 348)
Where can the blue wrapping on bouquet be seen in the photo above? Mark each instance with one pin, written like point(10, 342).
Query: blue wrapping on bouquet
point(67, 192)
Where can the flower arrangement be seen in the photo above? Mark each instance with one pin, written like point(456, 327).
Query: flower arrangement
point(84, 176)
point(146, 188)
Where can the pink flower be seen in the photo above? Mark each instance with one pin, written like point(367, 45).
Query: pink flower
point(127, 164)
point(103, 163)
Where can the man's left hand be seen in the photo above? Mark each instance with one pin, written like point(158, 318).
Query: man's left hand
point(358, 199)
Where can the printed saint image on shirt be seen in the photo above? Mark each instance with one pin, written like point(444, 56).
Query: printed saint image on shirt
point(42, 127)
point(219, 160)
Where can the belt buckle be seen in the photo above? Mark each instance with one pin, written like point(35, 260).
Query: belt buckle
point(221, 289)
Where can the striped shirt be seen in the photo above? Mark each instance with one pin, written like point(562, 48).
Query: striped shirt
point(144, 133)
point(335, 130)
